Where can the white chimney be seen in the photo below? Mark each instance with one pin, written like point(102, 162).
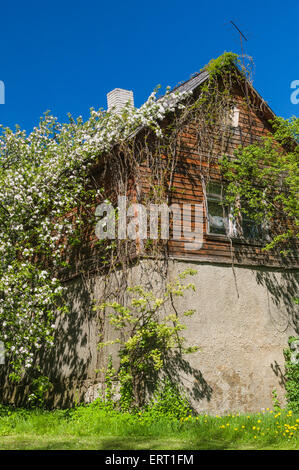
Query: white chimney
point(118, 98)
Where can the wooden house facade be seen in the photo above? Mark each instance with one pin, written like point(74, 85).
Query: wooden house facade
point(244, 294)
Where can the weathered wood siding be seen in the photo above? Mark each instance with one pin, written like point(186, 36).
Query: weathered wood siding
point(187, 188)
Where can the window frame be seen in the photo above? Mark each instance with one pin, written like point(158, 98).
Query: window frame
point(235, 229)
point(230, 231)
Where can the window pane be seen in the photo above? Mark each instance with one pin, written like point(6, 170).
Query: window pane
point(251, 229)
point(218, 219)
point(214, 191)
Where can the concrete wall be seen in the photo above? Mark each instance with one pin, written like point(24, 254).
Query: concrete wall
point(243, 319)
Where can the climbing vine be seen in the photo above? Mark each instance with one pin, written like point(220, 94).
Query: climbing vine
point(47, 192)
point(262, 183)
point(148, 333)
point(52, 179)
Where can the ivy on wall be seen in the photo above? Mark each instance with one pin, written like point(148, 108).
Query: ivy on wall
point(48, 192)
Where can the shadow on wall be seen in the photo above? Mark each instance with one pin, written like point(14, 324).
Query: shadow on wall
point(177, 368)
point(68, 364)
point(279, 373)
point(73, 364)
point(281, 283)
point(180, 372)
point(282, 288)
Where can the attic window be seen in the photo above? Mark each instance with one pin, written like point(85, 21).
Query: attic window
point(235, 117)
point(231, 117)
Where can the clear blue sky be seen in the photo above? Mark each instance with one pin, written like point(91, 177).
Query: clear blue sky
point(64, 56)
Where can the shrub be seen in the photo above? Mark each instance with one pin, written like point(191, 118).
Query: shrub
point(291, 355)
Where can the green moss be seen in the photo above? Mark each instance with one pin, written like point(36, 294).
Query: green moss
point(224, 62)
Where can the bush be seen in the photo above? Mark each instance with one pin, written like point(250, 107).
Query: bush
point(169, 401)
point(292, 374)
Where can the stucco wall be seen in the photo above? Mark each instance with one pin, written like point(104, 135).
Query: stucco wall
point(243, 319)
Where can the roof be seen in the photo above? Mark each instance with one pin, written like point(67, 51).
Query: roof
point(201, 77)
point(193, 82)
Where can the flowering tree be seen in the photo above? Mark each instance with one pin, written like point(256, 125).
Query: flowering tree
point(43, 176)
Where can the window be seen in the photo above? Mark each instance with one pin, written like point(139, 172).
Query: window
point(235, 117)
point(222, 220)
point(231, 117)
point(253, 230)
point(218, 214)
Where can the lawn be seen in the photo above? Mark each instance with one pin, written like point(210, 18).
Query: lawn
point(94, 428)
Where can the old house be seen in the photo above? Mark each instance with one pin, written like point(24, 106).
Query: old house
point(244, 295)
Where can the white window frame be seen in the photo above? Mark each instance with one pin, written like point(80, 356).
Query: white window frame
point(232, 228)
point(235, 117)
point(231, 117)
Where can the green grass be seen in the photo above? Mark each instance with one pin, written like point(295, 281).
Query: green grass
point(92, 427)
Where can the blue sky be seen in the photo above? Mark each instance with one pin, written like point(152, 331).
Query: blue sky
point(65, 56)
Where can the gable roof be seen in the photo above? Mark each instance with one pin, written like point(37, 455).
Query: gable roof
point(201, 77)
point(193, 82)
